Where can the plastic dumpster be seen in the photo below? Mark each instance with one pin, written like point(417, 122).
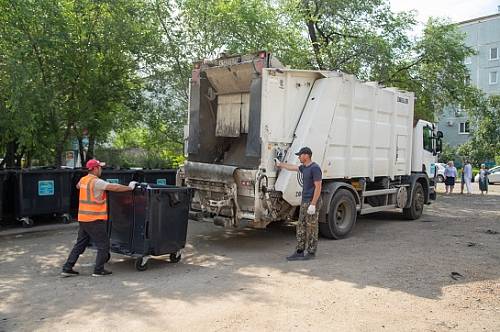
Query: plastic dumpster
point(77, 174)
point(44, 191)
point(121, 176)
point(3, 178)
point(157, 176)
point(150, 221)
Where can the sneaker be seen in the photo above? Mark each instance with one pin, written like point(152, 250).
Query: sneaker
point(69, 273)
point(310, 255)
point(102, 273)
point(296, 256)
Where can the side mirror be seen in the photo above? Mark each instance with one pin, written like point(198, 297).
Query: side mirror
point(439, 144)
point(439, 134)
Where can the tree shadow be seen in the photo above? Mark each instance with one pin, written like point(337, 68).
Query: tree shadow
point(385, 251)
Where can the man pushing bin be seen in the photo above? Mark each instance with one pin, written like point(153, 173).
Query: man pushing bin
point(92, 218)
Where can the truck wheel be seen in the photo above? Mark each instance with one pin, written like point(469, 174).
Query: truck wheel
point(440, 178)
point(341, 216)
point(417, 204)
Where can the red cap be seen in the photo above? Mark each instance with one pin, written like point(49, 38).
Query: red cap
point(93, 163)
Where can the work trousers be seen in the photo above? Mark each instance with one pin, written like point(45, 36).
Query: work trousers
point(95, 231)
point(307, 228)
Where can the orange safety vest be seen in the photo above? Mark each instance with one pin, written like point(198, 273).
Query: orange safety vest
point(90, 208)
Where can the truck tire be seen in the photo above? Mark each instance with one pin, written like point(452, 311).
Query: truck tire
point(417, 204)
point(341, 216)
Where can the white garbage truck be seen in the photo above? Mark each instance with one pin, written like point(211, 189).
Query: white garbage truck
point(245, 111)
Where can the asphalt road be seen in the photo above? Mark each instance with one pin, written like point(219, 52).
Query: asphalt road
point(439, 273)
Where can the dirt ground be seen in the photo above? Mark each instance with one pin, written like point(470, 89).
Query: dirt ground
point(390, 275)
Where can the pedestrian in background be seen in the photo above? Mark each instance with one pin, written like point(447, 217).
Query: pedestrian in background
point(450, 173)
point(92, 219)
point(467, 176)
point(483, 179)
point(462, 182)
point(307, 225)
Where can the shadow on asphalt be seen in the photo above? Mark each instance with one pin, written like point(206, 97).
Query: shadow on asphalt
point(384, 251)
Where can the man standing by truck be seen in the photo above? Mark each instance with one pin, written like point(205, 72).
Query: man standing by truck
point(307, 225)
point(92, 217)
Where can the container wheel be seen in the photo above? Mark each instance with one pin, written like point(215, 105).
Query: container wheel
point(141, 264)
point(27, 222)
point(175, 257)
point(66, 219)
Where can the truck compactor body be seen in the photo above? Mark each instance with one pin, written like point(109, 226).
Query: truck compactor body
point(244, 111)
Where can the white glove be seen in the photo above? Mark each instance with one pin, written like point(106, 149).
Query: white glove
point(277, 162)
point(132, 184)
point(311, 209)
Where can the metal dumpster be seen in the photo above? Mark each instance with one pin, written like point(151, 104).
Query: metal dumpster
point(39, 192)
point(157, 176)
point(152, 220)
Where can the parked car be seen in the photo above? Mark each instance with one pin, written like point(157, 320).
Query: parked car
point(440, 171)
point(494, 176)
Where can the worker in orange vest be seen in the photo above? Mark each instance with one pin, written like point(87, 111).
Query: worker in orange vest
point(92, 217)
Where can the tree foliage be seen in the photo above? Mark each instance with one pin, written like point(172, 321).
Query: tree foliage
point(119, 70)
point(484, 144)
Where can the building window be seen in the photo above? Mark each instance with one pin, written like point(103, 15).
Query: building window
point(494, 53)
point(493, 77)
point(463, 127)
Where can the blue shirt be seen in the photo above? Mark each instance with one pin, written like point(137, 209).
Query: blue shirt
point(310, 174)
point(450, 172)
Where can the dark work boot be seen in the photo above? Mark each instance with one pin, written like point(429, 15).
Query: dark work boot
point(101, 273)
point(309, 256)
point(296, 256)
point(69, 273)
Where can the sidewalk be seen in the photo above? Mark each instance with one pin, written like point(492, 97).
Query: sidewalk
point(35, 229)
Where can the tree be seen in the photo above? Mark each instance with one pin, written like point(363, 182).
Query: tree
point(70, 66)
point(484, 144)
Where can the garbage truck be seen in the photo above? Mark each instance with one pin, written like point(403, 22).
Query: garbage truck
point(247, 110)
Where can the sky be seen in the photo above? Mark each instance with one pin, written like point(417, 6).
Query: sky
point(456, 10)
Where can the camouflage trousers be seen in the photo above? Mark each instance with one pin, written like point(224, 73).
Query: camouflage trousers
point(307, 228)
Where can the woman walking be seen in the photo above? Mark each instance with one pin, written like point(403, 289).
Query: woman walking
point(450, 173)
point(483, 179)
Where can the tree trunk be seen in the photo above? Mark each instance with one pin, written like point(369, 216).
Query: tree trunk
point(81, 150)
point(313, 36)
point(90, 150)
point(10, 154)
point(58, 155)
point(60, 146)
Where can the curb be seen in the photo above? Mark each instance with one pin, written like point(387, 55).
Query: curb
point(37, 229)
